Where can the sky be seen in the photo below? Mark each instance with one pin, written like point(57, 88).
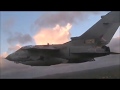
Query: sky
point(20, 28)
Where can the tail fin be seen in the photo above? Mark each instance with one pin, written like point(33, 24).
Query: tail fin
point(103, 31)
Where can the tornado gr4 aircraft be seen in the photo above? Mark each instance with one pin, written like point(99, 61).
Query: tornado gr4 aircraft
point(86, 47)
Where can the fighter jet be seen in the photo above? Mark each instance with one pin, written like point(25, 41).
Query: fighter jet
point(84, 48)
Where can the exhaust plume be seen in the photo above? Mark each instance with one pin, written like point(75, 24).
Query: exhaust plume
point(56, 35)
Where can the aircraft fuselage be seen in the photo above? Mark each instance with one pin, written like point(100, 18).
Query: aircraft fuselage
point(65, 55)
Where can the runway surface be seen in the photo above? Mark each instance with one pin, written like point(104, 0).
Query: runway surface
point(103, 68)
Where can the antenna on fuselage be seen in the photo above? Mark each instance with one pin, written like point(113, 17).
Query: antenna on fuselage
point(48, 44)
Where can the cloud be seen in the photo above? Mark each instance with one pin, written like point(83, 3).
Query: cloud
point(15, 37)
point(18, 37)
point(56, 35)
point(3, 55)
point(10, 49)
point(14, 48)
point(62, 18)
point(59, 34)
point(115, 44)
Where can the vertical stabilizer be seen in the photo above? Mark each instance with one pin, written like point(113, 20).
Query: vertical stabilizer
point(103, 31)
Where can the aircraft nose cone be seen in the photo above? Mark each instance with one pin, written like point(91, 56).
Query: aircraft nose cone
point(8, 57)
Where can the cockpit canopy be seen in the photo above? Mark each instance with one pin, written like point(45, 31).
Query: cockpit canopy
point(28, 46)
